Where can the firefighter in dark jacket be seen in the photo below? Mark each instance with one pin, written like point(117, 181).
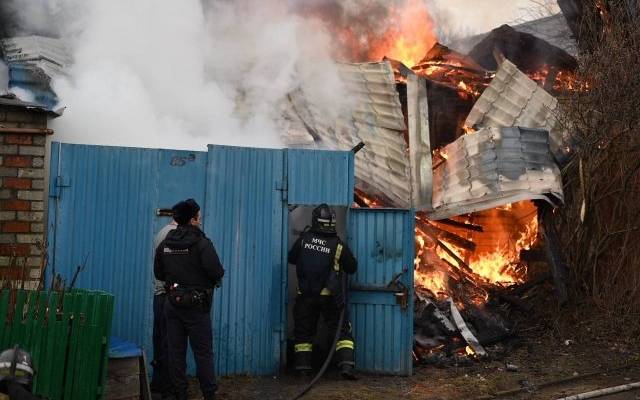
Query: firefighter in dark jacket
point(16, 374)
point(188, 263)
point(321, 258)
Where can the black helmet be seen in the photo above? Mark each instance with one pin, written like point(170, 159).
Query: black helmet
point(16, 366)
point(323, 219)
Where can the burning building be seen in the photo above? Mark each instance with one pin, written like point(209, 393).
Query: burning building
point(473, 143)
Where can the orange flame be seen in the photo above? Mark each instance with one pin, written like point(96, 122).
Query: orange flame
point(434, 266)
point(498, 266)
point(409, 36)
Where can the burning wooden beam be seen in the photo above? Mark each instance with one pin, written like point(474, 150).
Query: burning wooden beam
point(461, 264)
point(450, 237)
point(471, 227)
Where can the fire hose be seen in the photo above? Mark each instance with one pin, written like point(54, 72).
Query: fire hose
point(323, 369)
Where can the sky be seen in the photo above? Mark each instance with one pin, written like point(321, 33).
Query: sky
point(483, 15)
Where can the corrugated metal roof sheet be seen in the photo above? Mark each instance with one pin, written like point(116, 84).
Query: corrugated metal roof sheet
point(33, 61)
point(294, 131)
point(495, 166)
point(320, 176)
point(513, 99)
point(382, 166)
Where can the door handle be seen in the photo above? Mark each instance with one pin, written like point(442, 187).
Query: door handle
point(395, 286)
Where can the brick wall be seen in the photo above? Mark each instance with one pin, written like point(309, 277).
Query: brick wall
point(23, 138)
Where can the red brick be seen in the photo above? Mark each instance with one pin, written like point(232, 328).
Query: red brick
point(15, 249)
point(17, 183)
point(18, 139)
point(17, 161)
point(15, 205)
point(16, 227)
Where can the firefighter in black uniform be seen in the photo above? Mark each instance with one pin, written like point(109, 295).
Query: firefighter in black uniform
point(321, 258)
point(188, 263)
point(16, 374)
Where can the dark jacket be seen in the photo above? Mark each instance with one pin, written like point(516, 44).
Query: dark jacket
point(18, 392)
point(314, 254)
point(187, 257)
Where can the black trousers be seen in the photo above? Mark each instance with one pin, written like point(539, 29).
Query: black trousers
point(160, 380)
point(306, 312)
point(191, 324)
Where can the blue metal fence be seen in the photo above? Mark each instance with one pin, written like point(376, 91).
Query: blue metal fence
point(102, 209)
point(103, 203)
point(316, 177)
point(243, 217)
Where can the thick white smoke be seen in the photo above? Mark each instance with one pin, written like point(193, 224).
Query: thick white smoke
point(182, 74)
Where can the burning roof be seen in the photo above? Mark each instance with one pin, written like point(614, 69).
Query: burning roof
point(376, 119)
point(481, 170)
point(513, 99)
point(492, 167)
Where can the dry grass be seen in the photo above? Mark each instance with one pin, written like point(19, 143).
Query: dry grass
point(600, 225)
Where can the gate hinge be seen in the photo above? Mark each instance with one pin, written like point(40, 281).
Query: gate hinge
point(60, 183)
point(283, 187)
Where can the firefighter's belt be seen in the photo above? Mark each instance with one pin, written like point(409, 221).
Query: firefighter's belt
point(323, 292)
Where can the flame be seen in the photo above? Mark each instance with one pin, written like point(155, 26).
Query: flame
point(434, 267)
point(498, 266)
point(565, 81)
point(409, 35)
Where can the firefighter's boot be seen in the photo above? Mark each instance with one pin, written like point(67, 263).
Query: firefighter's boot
point(302, 358)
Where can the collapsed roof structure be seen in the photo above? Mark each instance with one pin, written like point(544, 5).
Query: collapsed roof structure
point(507, 159)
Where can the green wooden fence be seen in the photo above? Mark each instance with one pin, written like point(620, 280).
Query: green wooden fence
point(67, 336)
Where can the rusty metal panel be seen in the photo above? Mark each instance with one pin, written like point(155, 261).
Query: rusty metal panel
point(495, 166)
point(513, 99)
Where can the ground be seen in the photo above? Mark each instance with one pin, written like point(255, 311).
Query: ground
point(553, 359)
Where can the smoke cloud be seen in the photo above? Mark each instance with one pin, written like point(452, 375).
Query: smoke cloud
point(182, 74)
point(358, 25)
point(4, 77)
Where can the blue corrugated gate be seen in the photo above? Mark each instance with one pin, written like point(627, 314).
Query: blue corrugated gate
point(381, 296)
point(243, 217)
point(102, 208)
point(104, 204)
